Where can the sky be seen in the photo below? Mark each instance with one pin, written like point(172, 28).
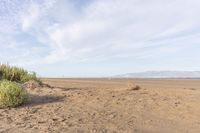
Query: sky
point(94, 38)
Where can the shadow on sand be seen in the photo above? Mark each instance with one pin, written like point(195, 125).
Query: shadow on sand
point(35, 99)
point(62, 88)
point(68, 89)
point(39, 100)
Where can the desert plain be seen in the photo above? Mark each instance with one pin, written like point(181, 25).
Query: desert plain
point(107, 105)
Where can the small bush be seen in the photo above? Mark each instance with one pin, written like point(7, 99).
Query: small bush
point(137, 87)
point(11, 94)
point(16, 74)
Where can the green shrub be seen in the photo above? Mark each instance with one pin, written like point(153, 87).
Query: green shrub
point(11, 94)
point(16, 74)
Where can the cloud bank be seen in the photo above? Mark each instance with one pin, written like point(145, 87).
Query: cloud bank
point(50, 32)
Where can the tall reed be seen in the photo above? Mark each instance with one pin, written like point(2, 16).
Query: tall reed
point(17, 74)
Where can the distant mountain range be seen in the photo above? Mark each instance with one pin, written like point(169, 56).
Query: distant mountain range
point(162, 74)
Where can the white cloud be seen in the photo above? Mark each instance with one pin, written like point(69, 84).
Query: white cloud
point(103, 30)
point(30, 17)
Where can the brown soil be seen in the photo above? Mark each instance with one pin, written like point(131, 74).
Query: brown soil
point(107, 106)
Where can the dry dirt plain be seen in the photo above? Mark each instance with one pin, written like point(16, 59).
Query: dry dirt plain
point(107, 106)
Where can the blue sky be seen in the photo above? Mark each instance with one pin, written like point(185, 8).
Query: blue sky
point(84, 38)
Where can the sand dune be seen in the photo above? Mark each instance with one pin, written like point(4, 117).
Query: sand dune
point(108, 106)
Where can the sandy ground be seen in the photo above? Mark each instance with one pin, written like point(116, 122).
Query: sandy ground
point(107, 106)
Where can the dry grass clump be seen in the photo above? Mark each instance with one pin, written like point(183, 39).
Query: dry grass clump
point(11, 94)
point(137, 87)
point(16, 74)
point(134, 87)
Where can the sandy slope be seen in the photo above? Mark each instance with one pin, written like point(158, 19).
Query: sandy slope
point(108, 106)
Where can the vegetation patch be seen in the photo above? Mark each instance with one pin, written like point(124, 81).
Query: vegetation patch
point(13, 85)
point(12, 94)
point(16, 74)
